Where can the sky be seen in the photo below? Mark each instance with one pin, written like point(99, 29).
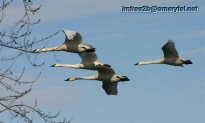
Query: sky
point(154, 94)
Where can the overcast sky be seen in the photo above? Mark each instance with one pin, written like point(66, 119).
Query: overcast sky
point(155, 94)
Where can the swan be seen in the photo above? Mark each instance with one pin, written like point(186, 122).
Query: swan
point(171, 57)
point(89, 61)
point(108, 77)
point(73, 43)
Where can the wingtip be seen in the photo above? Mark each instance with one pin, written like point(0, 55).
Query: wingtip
point(170, 41)
point(112, 94)
point(68, 31)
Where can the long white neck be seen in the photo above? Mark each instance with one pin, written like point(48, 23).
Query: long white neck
point(151, 62)
point(76, 66)
point(58, 48)
point(87, 78)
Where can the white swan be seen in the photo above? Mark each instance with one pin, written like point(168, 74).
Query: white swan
point(108, 77)
point(171, 57)
point(89, 61)
point(73, 43)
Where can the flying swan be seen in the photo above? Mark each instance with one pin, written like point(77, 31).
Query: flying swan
point(73, 43)
point(171, 57)
point(108, 77)
point(89, 62)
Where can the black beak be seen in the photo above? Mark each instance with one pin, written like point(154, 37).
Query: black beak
point(125, 79)
point(188, 62)
point(34, 51)
point(137, 63)
point(67, 79)
point(90, 50)
point(53, 65)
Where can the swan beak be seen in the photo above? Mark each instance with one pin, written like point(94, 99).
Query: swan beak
point(137, 63)
point(67, 79)
point(53, 65)
point(125, 78)
point(188, 62)
point(34, 51)
point(90, 50)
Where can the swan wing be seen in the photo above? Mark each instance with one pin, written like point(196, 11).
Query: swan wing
point(72, 37)
point(105, 71)
point(88, 57)
point(110, 88)
point(170, 50)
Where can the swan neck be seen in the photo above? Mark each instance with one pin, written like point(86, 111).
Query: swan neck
point(87, 78)
point(59, 48)
point(151, 62)
point(69, 65)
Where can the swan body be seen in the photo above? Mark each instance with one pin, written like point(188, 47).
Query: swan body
point(108, 77)
point(73, 43)
point(171, 57)
point(89, 62)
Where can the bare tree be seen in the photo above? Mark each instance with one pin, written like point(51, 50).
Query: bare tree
point(13, 86)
